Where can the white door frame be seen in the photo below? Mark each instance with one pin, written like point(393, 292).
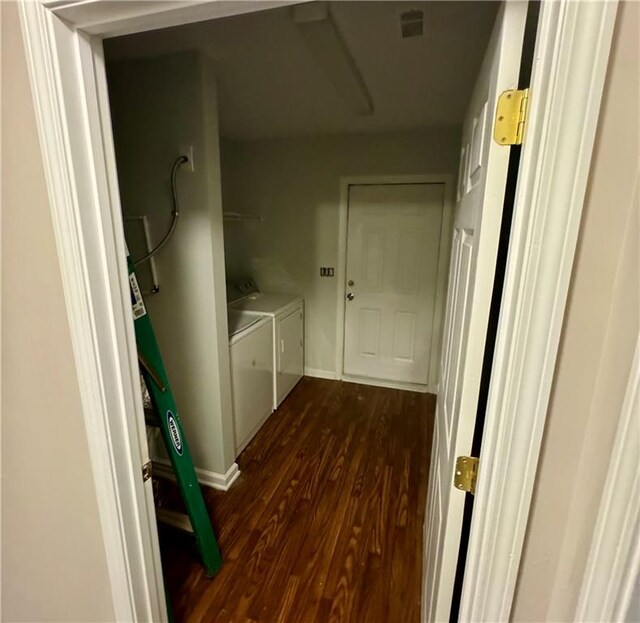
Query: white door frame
point(443, 262)
point(614, 557)
point(569, 69)
point(64, 54)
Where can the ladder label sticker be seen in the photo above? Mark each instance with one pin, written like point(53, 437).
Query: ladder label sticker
point(174, 432)
point(137, 303)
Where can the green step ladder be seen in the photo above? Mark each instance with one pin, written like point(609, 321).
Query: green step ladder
point(168, 420)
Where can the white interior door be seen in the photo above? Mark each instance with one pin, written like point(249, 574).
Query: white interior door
point(393, 244)
point(480, 196)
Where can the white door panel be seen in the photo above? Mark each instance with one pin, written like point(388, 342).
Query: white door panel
point(460, 307)
point(290, 344)
point(477, 220)
point(394, 236)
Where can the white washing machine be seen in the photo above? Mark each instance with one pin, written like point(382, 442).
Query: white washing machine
point(251, 362)
point(286, 313)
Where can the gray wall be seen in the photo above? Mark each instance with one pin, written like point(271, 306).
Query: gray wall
point(294, 184)
point(53, 555)
point(159, 107)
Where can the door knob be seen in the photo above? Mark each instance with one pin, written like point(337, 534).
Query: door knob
point(350, 296)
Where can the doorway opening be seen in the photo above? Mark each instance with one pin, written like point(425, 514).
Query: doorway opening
point(65, 54)
point(269, 134)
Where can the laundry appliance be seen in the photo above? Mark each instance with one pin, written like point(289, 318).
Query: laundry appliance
point(286, 313)
point(251, 363)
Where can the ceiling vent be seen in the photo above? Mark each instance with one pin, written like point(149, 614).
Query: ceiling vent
point(412, 23)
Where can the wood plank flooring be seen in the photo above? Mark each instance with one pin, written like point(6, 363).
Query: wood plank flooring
point(325, 522)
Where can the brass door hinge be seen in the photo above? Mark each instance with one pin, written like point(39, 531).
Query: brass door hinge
point(511, 117)
point(147, 471)
point(466, 473)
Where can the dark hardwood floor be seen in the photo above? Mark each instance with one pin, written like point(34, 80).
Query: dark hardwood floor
point(325, 522)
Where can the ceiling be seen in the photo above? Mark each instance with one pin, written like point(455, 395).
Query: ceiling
point(270, 84)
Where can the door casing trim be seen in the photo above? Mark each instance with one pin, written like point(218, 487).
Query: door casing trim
point(614, 556)
point(567, 81)
point(63, 45)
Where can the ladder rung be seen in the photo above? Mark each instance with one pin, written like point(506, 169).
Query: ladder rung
point(174, 519)
point(150, 418)
point(162, 471)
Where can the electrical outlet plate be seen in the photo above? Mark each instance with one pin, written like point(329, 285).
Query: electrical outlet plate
point(187, 150)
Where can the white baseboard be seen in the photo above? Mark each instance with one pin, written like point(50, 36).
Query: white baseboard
point(363, 380)
point(321, 374)
point(410, 387)
point(221, 482)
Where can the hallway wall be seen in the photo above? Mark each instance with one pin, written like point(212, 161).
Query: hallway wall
point(54, 565)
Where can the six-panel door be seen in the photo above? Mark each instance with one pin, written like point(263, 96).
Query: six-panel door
point(393, 248)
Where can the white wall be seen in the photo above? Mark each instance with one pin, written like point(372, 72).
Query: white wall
point(53, 554)
point(294, 185)
point(161, 106)
point(599, 335)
